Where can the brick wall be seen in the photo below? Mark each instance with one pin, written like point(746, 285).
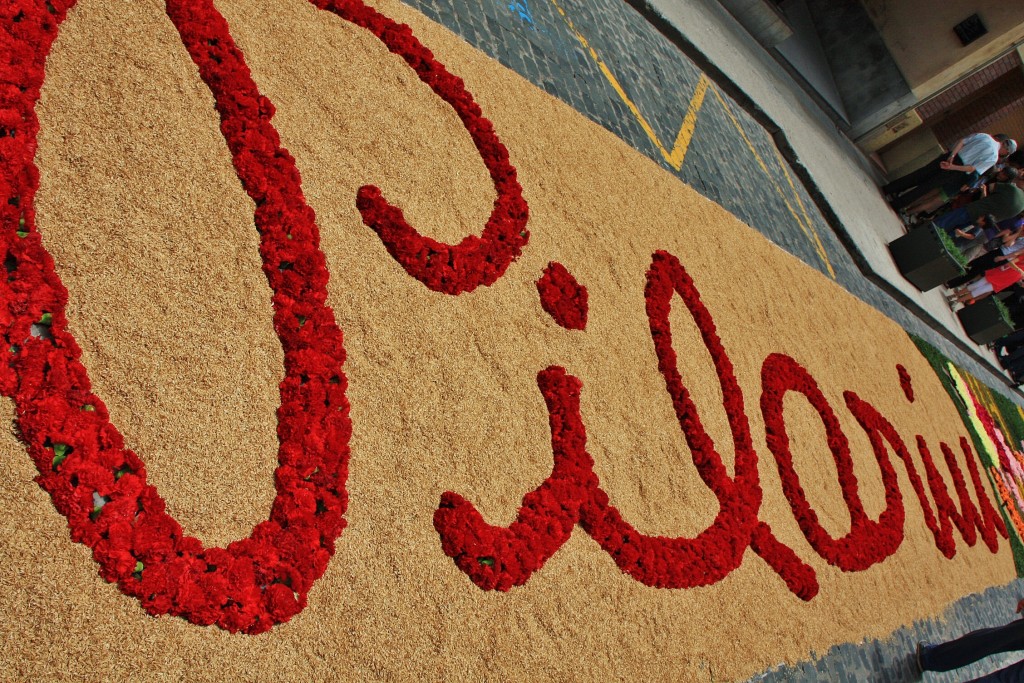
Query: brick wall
point(1011, 123)
point(945, 102)
point(985, 106)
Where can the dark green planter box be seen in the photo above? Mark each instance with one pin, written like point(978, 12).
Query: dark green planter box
point(922, 258)
point(983, 322)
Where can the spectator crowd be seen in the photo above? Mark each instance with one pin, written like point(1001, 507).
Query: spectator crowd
point(975, 195)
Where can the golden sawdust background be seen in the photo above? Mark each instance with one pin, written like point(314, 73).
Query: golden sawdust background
point(154, 238)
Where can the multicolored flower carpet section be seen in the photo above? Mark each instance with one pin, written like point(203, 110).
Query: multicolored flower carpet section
point(335, 350)
point(996, 428)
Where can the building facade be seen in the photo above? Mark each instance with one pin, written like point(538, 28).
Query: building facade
point(903, 78)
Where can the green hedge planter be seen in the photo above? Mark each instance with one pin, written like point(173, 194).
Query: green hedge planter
point(986, 320)
point(927, 257)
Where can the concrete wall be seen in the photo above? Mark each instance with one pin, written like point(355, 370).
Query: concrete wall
point(804, 52)
point(913, 151)
point(919, 34)
point(761, 19)
point(868, 79)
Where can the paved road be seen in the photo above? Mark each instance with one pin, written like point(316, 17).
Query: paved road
point(891, 660)
point(682, 83)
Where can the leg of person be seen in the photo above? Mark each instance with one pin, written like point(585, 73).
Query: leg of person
point(959, 294)
point(920, 205)
point(914, 178)
point(1008, 347)
point(912, 196)
point(929, 203)
point(1013, 363)
point(973, 646)
point(975, 290)
point(1011, 674)
point(1014, 339)
point(928, 185)
point(936, 181)
point(1015, 367)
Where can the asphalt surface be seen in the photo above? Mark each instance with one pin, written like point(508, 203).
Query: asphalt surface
point(684, 84)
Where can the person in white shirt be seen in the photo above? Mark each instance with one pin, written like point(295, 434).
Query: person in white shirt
point(970, 157)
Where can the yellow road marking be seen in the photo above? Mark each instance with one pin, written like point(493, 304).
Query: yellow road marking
point(677, 154)
point(799, 202)
point(682, 142)
point(807, 228)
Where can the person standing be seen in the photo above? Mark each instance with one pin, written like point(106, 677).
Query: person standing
point(1011, 247)
point(935, 199)
point(993, 281)
point(971, 157)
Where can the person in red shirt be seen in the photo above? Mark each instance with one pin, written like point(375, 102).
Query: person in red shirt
point(994, 280)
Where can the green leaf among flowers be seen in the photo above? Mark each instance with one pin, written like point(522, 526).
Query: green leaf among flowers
point(60, 451)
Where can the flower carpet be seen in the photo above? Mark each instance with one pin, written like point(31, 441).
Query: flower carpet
point(337, 350)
